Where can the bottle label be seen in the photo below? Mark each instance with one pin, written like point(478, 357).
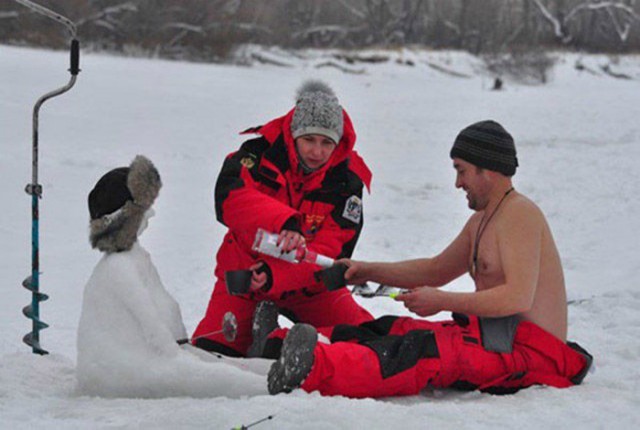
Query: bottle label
point(267, 243)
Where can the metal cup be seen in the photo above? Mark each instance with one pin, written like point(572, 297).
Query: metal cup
point(238, 281)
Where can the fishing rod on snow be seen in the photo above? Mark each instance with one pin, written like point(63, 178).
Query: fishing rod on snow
point(229, 330)
point(246, 427)
point(34, 189)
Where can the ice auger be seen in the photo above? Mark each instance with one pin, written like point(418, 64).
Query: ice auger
point(34, 189)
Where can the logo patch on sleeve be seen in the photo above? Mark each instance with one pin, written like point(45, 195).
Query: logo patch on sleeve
point(353, 209)
point(248, 162)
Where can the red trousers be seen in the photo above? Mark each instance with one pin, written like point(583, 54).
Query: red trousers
point(323, 309)
point(411, 354)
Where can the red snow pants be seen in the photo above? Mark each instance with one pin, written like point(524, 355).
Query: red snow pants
point(323, 309)
point(395, 356)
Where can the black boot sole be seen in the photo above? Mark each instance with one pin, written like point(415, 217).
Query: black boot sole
point(265, 320)
point(296, 359)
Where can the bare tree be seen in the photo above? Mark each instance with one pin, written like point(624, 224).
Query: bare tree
point(621, 14)
point(209, 29)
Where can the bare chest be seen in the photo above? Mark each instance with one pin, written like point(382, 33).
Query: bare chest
point(485, 266)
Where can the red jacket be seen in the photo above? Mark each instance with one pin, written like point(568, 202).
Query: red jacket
point(262, 186)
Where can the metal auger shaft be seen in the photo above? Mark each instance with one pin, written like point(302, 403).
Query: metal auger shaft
point(34, 189)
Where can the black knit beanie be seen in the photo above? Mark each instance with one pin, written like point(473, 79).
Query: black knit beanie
point(488, 145)
point(110, 193)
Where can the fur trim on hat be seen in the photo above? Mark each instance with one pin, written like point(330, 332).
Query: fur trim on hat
point(118, 231)
point(143, 181)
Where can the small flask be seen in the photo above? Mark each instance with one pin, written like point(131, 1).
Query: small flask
point(267, 243)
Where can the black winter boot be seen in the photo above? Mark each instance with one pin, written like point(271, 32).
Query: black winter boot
point(296, 359)
point(265, 320)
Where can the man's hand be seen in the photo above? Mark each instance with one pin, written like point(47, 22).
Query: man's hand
point(289, 240)
point(424, 301)
point(356, 273)
point(258, 279)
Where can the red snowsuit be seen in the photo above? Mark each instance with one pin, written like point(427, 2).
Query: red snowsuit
point(394, 356)
point(262, 186)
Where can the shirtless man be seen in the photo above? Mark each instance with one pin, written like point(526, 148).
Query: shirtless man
point(508, 334)
point(507, 248)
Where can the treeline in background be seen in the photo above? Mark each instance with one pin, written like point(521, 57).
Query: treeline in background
point(209, 30)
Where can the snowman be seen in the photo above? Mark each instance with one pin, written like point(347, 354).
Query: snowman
point(130, 325)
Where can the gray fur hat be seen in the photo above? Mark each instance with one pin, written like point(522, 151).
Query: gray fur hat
point(118, 202)
point(317, 111)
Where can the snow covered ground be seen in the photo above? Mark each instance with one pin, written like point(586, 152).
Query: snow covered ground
point(579, 146)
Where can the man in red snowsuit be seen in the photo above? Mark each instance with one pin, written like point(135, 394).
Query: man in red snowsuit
point(508, 334)
point(302, 179)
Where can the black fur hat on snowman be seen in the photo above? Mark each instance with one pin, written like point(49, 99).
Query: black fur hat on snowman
point(118, 202)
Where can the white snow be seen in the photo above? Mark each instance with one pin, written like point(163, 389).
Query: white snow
point(578, 140)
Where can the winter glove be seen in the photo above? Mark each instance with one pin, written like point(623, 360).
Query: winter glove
point(333, 277)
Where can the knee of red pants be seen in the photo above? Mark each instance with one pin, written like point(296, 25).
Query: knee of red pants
point(221, 304)
point(353, 370)
point(327, 309)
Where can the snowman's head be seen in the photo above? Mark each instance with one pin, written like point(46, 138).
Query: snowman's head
point(120, 205)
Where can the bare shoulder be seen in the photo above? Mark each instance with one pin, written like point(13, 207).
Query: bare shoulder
point(521, 215)
point(473, 221)
point(523, 207)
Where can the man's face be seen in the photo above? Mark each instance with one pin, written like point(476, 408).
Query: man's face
point(472, 179)
point(315, 149)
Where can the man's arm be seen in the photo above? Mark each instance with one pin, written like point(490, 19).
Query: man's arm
point(519, 236)
point(435, 272)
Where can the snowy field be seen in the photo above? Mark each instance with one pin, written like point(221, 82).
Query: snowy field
point(578, 141)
